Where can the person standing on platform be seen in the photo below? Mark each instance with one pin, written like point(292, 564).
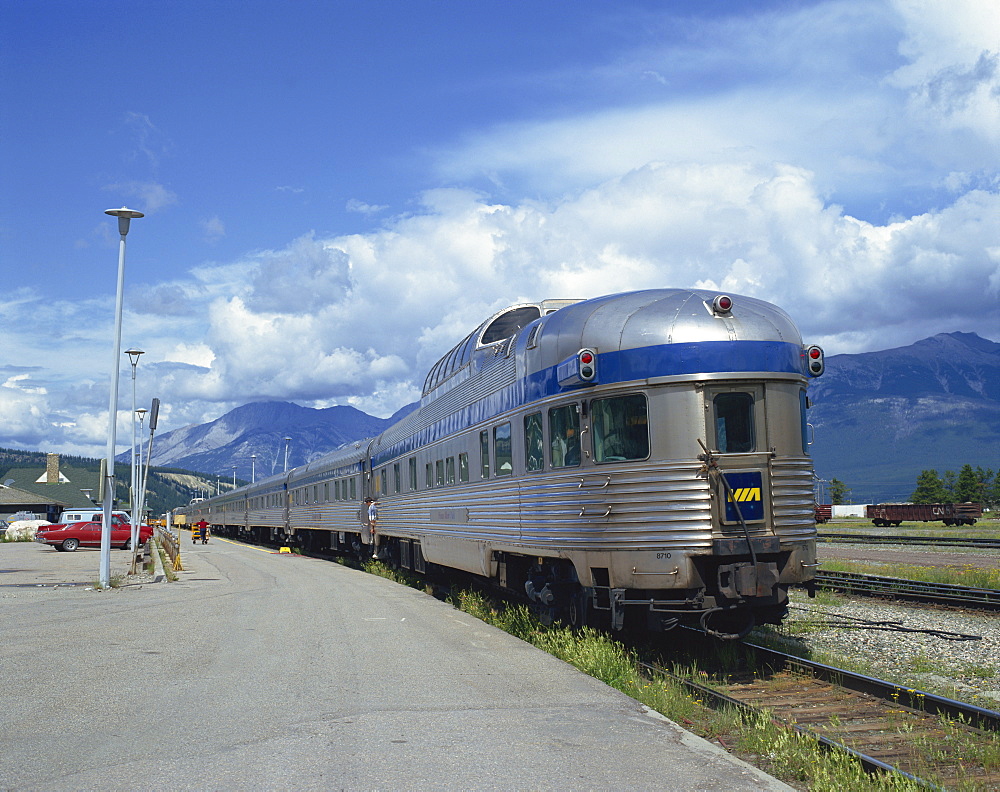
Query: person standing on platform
point(200, 533)
point(372, 523)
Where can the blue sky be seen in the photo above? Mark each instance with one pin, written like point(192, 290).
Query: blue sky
point(335, 193)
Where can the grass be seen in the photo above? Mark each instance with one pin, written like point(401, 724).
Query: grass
point(964, 575)
point(986, 528)
point(756, 738)
point(778, 750)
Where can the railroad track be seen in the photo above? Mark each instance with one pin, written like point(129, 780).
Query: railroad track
point(935, 541)
point(911, 590)
point(930, 739)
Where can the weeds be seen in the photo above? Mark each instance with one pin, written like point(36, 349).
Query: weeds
point(781, 751)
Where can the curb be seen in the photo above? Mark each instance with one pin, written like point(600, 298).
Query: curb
point(159, 575)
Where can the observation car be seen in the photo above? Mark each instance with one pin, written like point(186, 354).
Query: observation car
point(635, 460)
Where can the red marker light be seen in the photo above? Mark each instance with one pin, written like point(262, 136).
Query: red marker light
point(586, 358)
point(816, 364)
point(722, 304)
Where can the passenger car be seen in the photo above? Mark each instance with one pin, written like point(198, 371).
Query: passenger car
point(88, 534)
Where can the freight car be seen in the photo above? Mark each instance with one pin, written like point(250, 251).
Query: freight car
point(635, 460)
point(884, 514)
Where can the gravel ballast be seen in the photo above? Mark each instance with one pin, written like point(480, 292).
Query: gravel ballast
point(951, 653)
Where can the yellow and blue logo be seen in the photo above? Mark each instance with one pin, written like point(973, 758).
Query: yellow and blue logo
point(745, 491)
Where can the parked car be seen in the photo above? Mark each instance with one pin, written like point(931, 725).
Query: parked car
point(90, 514)
point(88, 534)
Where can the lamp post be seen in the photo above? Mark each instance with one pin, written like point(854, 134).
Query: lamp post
point(124, 216)
point(234, 476)
point(137, 503)
point(287, 441)
point(253, 468)
point(133, 357)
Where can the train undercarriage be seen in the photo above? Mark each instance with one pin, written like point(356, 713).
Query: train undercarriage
point(739, 591)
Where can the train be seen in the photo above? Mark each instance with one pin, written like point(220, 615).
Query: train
point(635, 461)
point(886, 514)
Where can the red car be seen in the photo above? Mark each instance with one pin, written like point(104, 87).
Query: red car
point(88, 534)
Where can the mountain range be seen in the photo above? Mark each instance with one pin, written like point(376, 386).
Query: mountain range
point(878, 419)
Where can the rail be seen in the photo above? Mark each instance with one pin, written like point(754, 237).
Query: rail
point(171, 543)
point(946, 541)
point(852, 724)
point(916, 590)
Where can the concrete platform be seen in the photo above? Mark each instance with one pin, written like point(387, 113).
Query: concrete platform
point(265, 671)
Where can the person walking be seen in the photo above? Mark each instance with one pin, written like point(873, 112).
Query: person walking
point(201, 532)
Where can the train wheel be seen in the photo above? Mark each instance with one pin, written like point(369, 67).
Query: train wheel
point(578, 611)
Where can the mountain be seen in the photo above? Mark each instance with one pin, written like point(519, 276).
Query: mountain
point(260, 429)
point(878, 418)
point(882, 417)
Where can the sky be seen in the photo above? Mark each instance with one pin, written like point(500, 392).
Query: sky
point(335, 193)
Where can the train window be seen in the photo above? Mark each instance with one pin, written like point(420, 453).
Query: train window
point(564, 436)
point(429, 477)
point(336, 490)
point(439, 472)
point(463, 467)
point(326, 491)
point(354, 488)
point(534, 443)
point(315, 493)
point(502, 449)
point(734, 428)
point(395, 477)
point(532, 336)
point(509, 324)
point(621, 428)
point(383, 487)
point(449, 470)
point(484, 454)
point(413, 473)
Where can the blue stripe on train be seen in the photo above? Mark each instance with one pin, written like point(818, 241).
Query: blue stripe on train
point(663, 360)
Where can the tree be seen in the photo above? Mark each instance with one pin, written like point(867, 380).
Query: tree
point(838, 491)
point(967, 486)
point(930, 488)
point(948, 482)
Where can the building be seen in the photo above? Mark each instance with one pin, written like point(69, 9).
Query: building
point(47, 491)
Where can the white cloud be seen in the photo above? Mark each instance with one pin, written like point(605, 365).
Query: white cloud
point(151, 196)
point(354, 205)
point(748, 189)
point(213, 229)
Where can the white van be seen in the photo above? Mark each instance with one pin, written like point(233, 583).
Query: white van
point(93, 514)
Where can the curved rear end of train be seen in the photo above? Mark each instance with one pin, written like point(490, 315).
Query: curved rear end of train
point(633, 461)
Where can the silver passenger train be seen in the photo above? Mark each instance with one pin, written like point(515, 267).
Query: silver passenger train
point(639, 459)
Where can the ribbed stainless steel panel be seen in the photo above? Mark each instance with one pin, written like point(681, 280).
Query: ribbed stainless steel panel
point(792, 497)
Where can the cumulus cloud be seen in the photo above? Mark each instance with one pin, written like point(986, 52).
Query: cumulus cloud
point(764, 189)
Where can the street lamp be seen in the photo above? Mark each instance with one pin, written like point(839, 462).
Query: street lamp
point(124, 216)
point(287, 441)
point(137, 503)
point(133, 357)
point(234, 476)
point(253, 468)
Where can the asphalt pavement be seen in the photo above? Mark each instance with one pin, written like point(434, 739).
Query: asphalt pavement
point(264, 671)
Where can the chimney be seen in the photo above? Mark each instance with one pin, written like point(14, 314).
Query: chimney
point(52, 468)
